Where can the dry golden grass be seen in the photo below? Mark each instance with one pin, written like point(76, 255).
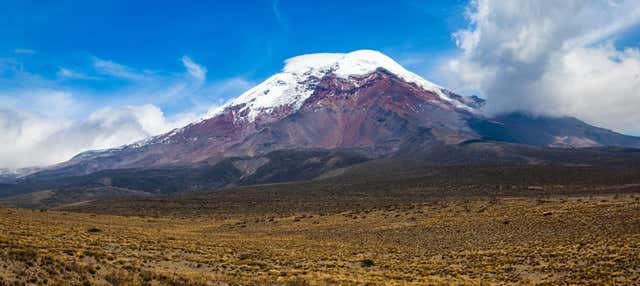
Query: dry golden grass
point(500, 241)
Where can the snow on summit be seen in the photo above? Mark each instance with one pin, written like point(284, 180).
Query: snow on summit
point(356, 63)
point(300, 74)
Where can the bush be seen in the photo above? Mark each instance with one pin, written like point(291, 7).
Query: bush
point(366, 263)
point(93, 229)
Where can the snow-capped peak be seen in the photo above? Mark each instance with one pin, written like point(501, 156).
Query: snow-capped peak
point(300, 75)
point(356, 63)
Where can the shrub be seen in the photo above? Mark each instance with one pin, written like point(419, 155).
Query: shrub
point(366, 263)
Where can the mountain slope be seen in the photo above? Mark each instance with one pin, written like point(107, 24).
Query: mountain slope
point(357, 100)
point(277, 166)
point(361, 101)
point(549, 132)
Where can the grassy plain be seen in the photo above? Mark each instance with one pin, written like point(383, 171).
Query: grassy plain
point(591, 239)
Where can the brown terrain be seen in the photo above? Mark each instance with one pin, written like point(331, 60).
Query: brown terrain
point(590, 239)
point(406, 226)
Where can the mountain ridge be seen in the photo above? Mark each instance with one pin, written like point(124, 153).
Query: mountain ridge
point(362, 100)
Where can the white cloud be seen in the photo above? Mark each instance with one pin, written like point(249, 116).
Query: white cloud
point(45, 101)
point(195, 70)
point(24, 51)
point(34, 140)
point(23, 133)
point(110, 68)
point(548, 57)
point(70, 74)
point(282, 21)
point(46, 121)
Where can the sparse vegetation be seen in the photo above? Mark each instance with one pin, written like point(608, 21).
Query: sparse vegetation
point(587, 239)
point(366, 263)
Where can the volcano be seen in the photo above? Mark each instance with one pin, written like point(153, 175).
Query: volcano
point(361, 103)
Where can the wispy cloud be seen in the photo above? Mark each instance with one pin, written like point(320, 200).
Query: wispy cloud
point(279, 18)
point(70, 74)
point(24, 51)
point(110, 68)
point(195, 70)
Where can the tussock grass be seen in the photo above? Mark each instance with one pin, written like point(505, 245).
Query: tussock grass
point(583, 240)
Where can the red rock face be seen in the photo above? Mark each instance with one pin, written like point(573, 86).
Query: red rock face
point(377, 89)
point(377, 111)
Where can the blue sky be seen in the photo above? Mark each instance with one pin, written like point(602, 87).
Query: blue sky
point(232, 39)
point(82, 75)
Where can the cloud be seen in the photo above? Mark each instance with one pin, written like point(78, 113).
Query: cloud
point(110, 68)
point(44, 121)
point(45, 101)
point(23, 52)
point(31, 139)
point(276, 12)
point(70, 74)
point(551, 58)
point(195, 70)
point(23, 133)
